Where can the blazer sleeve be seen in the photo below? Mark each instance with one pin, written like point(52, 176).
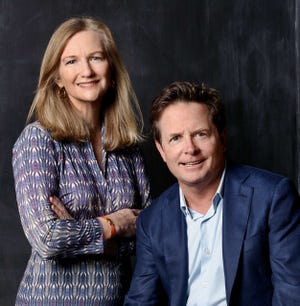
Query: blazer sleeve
point(284, 244)
point(145, 289)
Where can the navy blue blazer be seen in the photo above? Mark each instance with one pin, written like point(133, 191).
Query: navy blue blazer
point(261, 244)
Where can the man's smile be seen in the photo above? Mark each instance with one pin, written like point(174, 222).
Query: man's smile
point(192, 163)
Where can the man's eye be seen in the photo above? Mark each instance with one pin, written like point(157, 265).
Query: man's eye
point(174, 138)
point(202, 134)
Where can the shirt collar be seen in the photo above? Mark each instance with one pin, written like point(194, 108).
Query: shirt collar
point(216, 199)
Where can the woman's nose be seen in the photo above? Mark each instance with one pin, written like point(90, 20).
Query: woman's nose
point(86, 69)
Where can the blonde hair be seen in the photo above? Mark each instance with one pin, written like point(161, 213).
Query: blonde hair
point(120, 111)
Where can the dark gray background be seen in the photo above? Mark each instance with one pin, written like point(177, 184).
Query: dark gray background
point(248, 49)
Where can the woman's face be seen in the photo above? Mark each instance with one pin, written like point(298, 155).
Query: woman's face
point(84, 71)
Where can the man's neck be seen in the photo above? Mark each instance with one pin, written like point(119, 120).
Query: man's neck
point(199, 197)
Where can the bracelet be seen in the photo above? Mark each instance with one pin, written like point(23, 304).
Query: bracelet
point(112, 226)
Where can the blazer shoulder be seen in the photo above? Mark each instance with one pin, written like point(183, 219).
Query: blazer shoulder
point(256, 177)
point(241, 170)
point(161, 201)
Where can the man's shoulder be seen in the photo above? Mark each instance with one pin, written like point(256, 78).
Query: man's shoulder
point(170, 194)
point(253, 176)
point(247, 170)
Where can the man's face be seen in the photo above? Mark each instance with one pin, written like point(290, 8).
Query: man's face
point(191, 145)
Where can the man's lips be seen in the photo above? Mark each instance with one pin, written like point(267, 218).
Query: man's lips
point(192, 163)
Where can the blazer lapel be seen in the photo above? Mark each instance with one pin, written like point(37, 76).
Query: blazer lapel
point(236, 208)
point(175, 248)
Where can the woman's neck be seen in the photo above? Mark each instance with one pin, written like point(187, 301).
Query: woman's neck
point(90, 113)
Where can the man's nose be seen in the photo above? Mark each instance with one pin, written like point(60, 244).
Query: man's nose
point(190, 146)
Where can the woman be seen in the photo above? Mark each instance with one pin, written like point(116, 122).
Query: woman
point(81, 150)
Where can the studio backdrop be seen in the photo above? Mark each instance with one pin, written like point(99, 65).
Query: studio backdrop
point(248, 49)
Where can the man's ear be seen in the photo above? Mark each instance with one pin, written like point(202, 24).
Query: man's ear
point(160, 150)
point(223, 136)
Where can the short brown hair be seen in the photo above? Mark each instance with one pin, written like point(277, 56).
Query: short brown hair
point(187, 92)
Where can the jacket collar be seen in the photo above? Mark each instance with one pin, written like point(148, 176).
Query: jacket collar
point(236, 210)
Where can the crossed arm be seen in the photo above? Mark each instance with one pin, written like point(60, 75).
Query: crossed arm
point(124, 220)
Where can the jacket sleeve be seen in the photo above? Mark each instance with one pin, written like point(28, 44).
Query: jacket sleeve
point(36, 178)
point(145, 289)
point(284, 244)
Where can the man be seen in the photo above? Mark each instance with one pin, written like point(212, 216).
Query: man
point(226, 234)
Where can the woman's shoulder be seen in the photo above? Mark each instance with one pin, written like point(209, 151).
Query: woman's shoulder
point(130, 152)
point(135, 156)
point(34, 133)
point(34, 129)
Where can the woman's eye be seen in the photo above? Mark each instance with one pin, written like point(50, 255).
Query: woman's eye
point(97, 58)
point(70, 62)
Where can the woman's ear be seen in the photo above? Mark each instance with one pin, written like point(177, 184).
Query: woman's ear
point(58, 82)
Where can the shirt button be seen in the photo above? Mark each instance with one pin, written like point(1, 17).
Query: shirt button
point(204, 284)
point(207, 251)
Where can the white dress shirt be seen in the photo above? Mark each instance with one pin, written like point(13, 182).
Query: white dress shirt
point(206, 283)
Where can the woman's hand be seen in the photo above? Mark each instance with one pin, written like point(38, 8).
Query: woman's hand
point(111, 246)
point(124, 221)
point(59, 209)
